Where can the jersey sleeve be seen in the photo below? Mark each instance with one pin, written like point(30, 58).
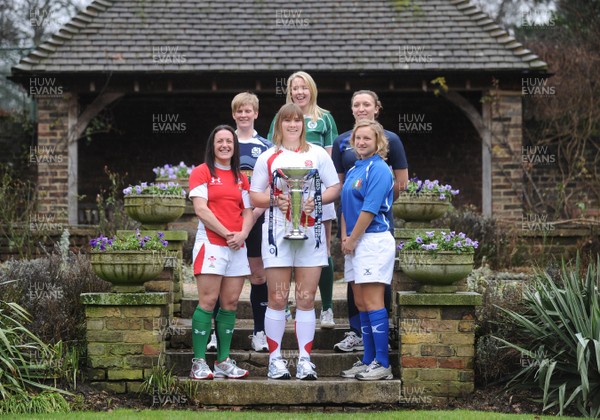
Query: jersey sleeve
point(378, 186)
point(336, 155)
point(327, 171)
point(396, 155)
point(260, 176)
point(198, 182)
point(332, 131)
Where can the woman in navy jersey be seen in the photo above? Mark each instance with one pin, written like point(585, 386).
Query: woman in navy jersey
point(365, 104)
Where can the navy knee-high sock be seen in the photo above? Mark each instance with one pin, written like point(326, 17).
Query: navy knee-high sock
point(259, 298)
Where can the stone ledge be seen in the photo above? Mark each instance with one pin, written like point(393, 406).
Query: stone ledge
point(439, 299)
point(124, 299)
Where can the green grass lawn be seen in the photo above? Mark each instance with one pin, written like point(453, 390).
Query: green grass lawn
point(253, 415)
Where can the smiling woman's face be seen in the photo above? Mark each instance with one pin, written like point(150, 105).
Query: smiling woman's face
point(224, 147)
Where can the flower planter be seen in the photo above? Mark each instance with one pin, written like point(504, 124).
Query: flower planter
point(154, 211)
point(128, 270)
point(420, 207)
point(183, 182)
point(437, 272)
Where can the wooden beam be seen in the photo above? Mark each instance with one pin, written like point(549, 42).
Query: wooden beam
point(80, 123)
point(72, 164)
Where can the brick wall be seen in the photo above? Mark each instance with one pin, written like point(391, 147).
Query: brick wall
point(507, 172)
point(51, 156)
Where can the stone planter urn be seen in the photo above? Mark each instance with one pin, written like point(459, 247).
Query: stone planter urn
point(154, 211)
point(128, 270)
point(437, 272)
point(420, 207)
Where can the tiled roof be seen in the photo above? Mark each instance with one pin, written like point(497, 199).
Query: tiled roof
point(273, 35)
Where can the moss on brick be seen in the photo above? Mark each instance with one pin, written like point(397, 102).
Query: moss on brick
point(124, 299)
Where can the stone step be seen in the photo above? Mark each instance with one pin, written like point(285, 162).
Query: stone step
point(244, 310)
point(325, 391)
point(181, 335)
point(327, 362)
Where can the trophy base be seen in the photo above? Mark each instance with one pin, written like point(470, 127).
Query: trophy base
point(296, 236)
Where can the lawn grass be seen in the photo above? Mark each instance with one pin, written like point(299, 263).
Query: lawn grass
point(255, 415)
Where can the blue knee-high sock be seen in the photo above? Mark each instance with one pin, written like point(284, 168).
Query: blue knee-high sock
point(353, 314)
point(365, 326)
point(259, 297)
point(380, 329)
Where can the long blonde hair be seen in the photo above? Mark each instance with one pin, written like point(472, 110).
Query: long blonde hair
point(381, 141)
point(290, 110)
point(314, 111)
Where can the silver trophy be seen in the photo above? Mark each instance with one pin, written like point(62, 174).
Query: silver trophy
point(295, 178)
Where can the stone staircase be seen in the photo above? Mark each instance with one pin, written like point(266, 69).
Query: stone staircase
point(329, 390)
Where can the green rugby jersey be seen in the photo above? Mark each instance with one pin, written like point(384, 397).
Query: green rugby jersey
point(321, 132)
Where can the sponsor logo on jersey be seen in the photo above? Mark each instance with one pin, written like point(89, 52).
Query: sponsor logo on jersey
point(215, 181)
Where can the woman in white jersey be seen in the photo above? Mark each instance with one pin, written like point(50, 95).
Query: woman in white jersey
point(281, 256)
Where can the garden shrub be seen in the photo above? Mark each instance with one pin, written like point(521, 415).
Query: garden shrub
point(499, 245)
point(493, 362)
point(559, 335)
point(49, 289)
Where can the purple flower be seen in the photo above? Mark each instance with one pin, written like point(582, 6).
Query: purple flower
point(160, 235)
point(419, 240)
point(400, 245)
point(430, 234)
point(164, 243)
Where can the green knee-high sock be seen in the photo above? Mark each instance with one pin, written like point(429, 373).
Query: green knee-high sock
point(225, 324)
point(326, 285)
point(201, 325)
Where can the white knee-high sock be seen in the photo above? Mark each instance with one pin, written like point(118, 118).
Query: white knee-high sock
point(274, 329)
point(305, 331)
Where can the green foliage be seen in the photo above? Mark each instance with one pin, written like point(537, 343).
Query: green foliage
point(17, 212)
point(44, 402)
point(499, 245)
point(162, 382)
point(23, 356)
point(111, 211)
point(562, 338)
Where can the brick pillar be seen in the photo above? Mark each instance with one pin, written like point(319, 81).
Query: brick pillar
point(125, 336)
point(437, 345)
point(506, 121)
point(51, 158)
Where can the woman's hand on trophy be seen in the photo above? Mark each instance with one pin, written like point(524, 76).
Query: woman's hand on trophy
point(309, 206)
point(283, 202)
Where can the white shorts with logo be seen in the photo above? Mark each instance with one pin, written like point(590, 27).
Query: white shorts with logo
point(373, 259)
point(293, 253)
point(220, 260)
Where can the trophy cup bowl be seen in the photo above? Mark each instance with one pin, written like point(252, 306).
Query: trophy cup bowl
point(295, 177)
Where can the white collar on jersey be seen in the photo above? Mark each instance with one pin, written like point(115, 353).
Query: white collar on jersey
point(254, 135)
point(222, 167)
